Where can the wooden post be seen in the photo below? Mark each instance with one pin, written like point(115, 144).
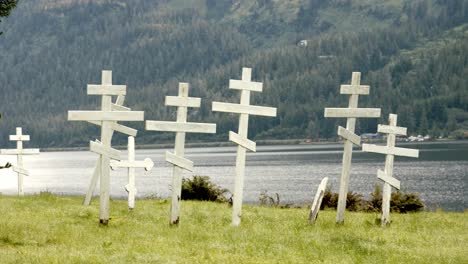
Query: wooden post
point(181, 126)
point(314, 210)
point(240, 138)
point(106, 118)
point(118, 106)
point(351, 113)
point(390, 151)
point(131, 164)
point(19, 152)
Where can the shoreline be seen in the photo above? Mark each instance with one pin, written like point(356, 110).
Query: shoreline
point(267, 142)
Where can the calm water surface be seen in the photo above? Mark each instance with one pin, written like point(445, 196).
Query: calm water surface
point(440, 175)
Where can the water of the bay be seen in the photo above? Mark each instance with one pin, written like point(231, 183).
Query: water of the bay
point(440, 175)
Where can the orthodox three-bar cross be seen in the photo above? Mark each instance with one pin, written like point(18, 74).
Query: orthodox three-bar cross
point(107, 118)
point(181, 126)
point(390, 151)
point(351, 113)
point(19, 152)
point(117, 106)
point(132, 164)
point(244, 109)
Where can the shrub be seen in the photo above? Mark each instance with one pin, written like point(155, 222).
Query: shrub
point(354, 201)
point(400, 202)
point(201, 188)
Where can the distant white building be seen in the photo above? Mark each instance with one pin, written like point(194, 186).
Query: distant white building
point(302, 43)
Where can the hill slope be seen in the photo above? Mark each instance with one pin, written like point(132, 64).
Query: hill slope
point(412, 53)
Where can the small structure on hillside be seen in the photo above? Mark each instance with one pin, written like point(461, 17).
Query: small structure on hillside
point(244, 109)
point(390, 151)
point(351, 113)
point(181, 127)
point(19, 152)
point(106, 118)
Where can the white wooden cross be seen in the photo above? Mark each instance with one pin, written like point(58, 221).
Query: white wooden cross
point(244, 109)
point(351, 113)
point(131, 164)
point(118, 106)
point(107, 117)
point(314, 210)
point(181, 126)
point(390, 151)
point(19, 152)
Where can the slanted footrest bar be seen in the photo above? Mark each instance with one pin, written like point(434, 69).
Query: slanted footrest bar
point(243, 142)
point(179, 161)
point(99, 148)
point(390, 180)
point(412, 153)
point(346, 134)
point(392, 130)
point(119, 128)
point(116, 107)
point(180, 127)
point(21, 171)
point(352, 112)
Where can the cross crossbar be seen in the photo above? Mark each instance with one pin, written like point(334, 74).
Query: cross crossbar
point(412, 153)
point(180, 127)
point(183, 101)
point(19, 138)
point(392, 130)
point(117, 108)
point(179, 161)
point(355, 89)
point(106, 115)
point(101, 149)
point(353, 112)
point(19, 151)
point(390, 180)
point(147, 164)
point(244, 109)
point(246, 85)
point(103, 89)
point(346, 134)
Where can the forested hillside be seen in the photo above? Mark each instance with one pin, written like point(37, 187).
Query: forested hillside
point(413, 53)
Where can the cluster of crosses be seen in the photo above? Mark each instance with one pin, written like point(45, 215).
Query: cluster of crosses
point(109, 158)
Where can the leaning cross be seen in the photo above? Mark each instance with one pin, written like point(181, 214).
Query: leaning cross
point(181, 126)
point(19, 152)
point(244, 109)
point(351, 113)
point(314, 210)
point(107, 118)
point(390, 151)
point(131, 164)
point(118, 106)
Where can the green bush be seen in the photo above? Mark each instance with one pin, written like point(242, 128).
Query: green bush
point(201, 188)
point(400, 202)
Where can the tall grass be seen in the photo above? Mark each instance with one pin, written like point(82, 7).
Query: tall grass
point(51, 229)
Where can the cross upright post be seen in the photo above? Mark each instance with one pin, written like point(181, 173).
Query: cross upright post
point(107, 119)
point(390, 151)
point(181, 127)
point(116, 127)
point(348, 133)
point(241, 138)
point(19, 152)
point(132, 164)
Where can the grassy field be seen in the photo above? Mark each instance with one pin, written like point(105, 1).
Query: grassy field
point(54, 229)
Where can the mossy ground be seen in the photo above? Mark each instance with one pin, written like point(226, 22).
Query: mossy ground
point(53, 229)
